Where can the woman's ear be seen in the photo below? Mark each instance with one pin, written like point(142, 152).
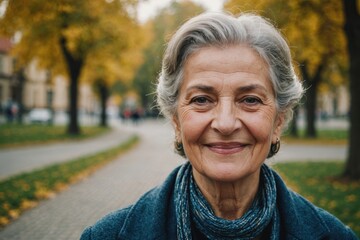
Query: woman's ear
point(279, 124)
point(176, 125)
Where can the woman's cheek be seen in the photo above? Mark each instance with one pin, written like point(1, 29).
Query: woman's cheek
point(260, 126)
point(193, 124)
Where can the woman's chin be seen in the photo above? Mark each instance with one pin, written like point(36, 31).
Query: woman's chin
point(227, 172)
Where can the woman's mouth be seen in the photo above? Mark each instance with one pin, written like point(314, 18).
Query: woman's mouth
point(226, 147)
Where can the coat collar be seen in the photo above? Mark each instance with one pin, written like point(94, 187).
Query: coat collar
point(153, 216)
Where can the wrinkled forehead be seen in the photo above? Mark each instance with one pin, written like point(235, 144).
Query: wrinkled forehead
point(226, 62)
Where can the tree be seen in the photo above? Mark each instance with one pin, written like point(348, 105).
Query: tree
point(352, 30)
point(63, 35)
point(20, 77)
point(313, 29)
point(158, 30)
point(117, 61)
point(105, 73)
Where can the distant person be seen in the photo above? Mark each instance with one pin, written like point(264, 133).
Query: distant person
point(11, 110)
point(135, 116)
point(228, 86)
point(8, 114)
point(126, 114)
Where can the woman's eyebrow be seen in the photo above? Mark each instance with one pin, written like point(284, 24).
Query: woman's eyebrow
point(251, 87)
point(239, 90)
point(201, 87)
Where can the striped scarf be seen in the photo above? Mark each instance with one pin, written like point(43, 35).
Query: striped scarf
point(191, 206)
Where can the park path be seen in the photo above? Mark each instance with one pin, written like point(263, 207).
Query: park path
point(121, 182)
point(114, 186)
point(17, 160)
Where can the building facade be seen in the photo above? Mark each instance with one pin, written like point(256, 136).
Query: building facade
point(37, 88)
point(6, 73)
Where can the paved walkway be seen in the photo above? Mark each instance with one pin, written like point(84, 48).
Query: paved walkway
point(18, 160)
point(114, 186)
point(290, 153)
point(119, 183)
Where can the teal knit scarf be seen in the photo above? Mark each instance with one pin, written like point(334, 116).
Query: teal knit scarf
point(192, 207)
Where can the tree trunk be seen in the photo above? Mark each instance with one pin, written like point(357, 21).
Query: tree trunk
point(74, 66)
point(104, 94)
point(352, 31)
point(20, 92)
point(311, 85)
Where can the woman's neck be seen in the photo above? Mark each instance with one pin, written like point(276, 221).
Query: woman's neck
point(229, 200)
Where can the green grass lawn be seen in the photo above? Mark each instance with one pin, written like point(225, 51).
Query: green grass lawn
point(13, 135)
point(319, 183)
point(23, 191)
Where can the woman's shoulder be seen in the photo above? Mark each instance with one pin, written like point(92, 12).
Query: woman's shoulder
point(303, 218)
point(107, 227)
point(337, 229)
point(146, 215)
point(321, 219)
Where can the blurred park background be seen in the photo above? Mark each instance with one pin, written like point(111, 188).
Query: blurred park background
point(72, 70)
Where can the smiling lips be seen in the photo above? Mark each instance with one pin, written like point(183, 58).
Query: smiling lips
point(226, 147)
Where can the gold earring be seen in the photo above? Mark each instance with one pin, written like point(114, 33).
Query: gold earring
point(275, 147)
point(179, 148)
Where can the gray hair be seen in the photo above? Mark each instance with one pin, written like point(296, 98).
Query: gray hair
point(220, 29)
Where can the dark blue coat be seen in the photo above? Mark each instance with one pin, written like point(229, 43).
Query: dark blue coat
point(153, 217)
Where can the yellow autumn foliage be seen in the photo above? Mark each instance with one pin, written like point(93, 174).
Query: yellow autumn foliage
point(313, 28)
point(103, 33)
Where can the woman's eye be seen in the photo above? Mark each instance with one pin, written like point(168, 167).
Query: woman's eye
point(252, 100)
point(200, 100)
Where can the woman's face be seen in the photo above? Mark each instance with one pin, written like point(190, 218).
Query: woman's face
point(226, 116)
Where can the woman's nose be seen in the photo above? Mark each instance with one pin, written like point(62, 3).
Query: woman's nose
point(226, 120)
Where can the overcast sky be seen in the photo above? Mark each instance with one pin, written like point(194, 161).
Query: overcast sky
point(149, 8)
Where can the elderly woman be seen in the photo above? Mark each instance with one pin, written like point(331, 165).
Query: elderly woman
point(228, 86)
